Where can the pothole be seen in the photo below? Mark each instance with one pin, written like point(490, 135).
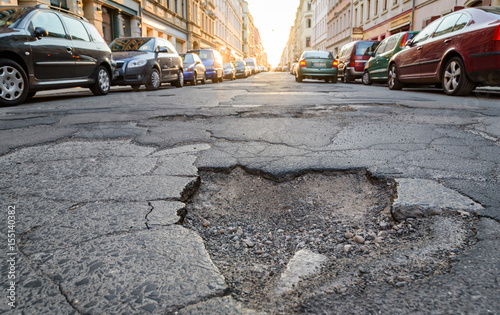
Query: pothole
point(281, 241)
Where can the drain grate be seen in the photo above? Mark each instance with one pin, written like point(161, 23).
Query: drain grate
point(279, 241)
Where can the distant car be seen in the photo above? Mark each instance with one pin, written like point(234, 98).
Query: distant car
point(376, 67)
point(352, 58)
point(146, 60)
point(212, 60)
point(252, 63)
point(194, 70)
point(317, 64)
point(277, 69)
point(43, 49)
point(229, 71)
point(457, 51)
point(293, 68)
point(242, 69)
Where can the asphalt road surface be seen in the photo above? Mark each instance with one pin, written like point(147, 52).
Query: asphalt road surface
point(260, 195)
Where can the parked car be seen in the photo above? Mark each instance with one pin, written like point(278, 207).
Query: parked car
point(316, 64)
point(229, 71)
point(376, 67)
point(352, 58)
point(146, 60)
point(242, 69)
point(293, 68)
point(252, 63)
point(194, 70)
point(213, 63)
point(78, 56)
point(457, 51)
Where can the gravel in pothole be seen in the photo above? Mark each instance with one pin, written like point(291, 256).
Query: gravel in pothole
point(253, 225)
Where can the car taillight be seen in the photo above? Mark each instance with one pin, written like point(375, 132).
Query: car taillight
point(403, 41)
point(496, 35)
point(302, 63)
point(351, 63)
point(335, 64)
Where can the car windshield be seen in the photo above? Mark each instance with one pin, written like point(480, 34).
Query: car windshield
point(187, 58)
point(227, 66)
point(133, 44)
point(318, 55)
point(239, 63)
point(204, 55)
point(495, 11)
point(10, 16)
point(365, 48)
point(250, 63)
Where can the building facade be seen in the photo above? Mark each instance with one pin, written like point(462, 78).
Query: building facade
point(320, 29)
point(229, 29)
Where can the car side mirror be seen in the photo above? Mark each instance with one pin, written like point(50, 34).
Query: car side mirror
point(41, 32)
point(409, 43)
point(198, 62)
point(163, 50)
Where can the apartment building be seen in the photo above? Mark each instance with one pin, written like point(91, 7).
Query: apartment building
point(320, 30)
point(229, 29)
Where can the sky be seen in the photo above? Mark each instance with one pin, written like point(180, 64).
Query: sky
point(273, 18)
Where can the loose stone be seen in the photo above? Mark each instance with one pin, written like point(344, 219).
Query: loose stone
point(379, 240)
point(347, 248)
point(359, 239)
point(205, 223)
point(348, 235)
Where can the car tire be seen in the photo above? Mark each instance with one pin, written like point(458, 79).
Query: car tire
point(299, 78)
point(393, 79)
point(180, 79)
point(204, 80)
point(454, 78)
point(135, 87)
point(195, 79)
point(102, 82)
point(347, 77)
point(215, 80)
point(154, 80)
point(221, 79)
point(327, 80)
point(366, 78)
point(30, 96)
point(13, 83)
point(335, 79)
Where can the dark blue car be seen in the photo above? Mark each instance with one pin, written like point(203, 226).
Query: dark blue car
point(194, 70)
point(212, 60)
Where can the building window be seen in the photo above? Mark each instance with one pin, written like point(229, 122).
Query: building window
point(368, 5)
point(308, 41)
point(309, 6)
point(308, 23)
point(59, 3)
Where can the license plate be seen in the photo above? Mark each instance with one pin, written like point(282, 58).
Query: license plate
point(319, 64)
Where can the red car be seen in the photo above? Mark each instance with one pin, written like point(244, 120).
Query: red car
point(458, 51)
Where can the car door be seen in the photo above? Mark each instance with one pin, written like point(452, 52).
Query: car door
point(409, 58)
point(375, 62)
point(52, 54)
point(200, 68)
point(385, 56)
point(163, 59)
point(435, 47)
point(85, 53)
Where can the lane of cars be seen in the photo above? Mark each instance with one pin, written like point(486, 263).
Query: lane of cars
point(457, 52)
point(44, 47)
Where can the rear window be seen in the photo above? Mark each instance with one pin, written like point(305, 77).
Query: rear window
point(365, 48)
point(250, 63)
point(133, 44)
point(239, 63)
point(10, 16)
point(187, 58)
point(227, 66)
point(495, 11)
point(318, 55)
point(204, 54)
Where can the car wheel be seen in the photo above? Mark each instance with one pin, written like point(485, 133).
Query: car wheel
point(335, 79)
point(195, 79)
point(30, 96)
point(215, 80)
point(13, 83)
point(102, 82)
point(135, 87)
point(366, 78)
point(204, 80)
point(347, 77)
point(327, 80)
point(455, 80)
point(221, 78)
point(154, 80)
point(180, 79)
point(299, 78)
point(393, 81)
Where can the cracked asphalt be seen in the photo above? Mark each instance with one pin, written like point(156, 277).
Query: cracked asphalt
point(94, 191)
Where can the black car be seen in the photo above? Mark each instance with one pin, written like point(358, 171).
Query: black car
point(242, 69)
point(146, 60)
point(43, 49)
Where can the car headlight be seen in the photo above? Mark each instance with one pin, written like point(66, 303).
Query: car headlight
point(137, 63)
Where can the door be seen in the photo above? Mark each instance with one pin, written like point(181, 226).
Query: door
point(444, 38)
point(383, 58)
point(52, 54)
point(85, 53)
point(375, 68)
point(166, 59)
